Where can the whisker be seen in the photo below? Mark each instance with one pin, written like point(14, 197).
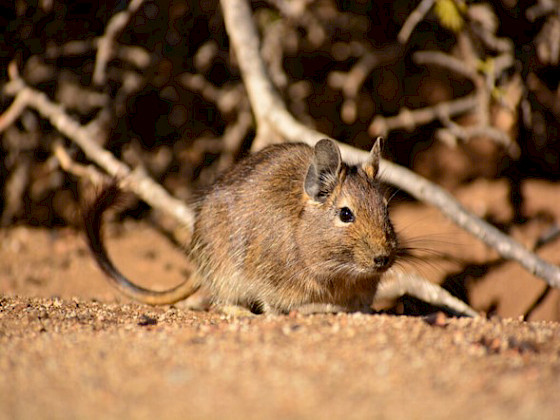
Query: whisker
point(427, 269)
point(393, 195)
point(431, 254)
point(431, 239)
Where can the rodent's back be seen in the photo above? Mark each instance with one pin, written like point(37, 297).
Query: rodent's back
point(244, 227)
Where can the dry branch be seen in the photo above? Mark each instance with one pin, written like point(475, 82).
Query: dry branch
point(414, 19)
point(492, 41)
point(352, 81)
point(147, 189)
point(467, 133)
point(273, 118)
point(88, 172)
point(542, 8)
point(400, 284)
point(105, 44)
point(444, 60)
point(12, 114)
point(482, 71)
point(226, 98)
point(270, 110)
point(409, 119)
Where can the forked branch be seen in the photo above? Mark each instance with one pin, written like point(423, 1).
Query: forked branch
point(270, 110)
point(132, 180)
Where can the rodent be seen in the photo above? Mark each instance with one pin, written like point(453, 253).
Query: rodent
point(289, 226)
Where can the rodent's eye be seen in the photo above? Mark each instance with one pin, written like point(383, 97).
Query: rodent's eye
point(346, 215)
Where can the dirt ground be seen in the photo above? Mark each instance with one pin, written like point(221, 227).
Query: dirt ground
point(71, 347)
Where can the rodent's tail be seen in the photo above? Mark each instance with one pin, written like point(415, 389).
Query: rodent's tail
point(93, 221)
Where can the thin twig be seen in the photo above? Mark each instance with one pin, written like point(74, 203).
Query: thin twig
point(501, 63)
point(414, 19)
point(12, 114)
point(227, 98)
point(291, 9)
point(542, 8)
point(80, 171)
point(454, 132)
point(134, 181)
point(133, 54)
point(444, 60)
point(503, 45)
point(467, 133)
point(352, 81)
point(269, 108)
point(409, 119)
point(105, 44)
point(483, 84)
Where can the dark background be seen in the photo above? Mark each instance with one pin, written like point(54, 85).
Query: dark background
point(176, 131)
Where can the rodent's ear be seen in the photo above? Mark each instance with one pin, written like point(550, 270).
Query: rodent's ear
point(371, 165)
point(322, 175)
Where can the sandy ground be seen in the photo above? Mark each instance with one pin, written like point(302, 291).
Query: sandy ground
point(70, 347)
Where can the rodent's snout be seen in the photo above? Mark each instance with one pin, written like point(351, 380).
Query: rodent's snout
point(383, 262)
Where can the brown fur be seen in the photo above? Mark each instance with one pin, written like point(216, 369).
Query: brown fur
point(268, 233)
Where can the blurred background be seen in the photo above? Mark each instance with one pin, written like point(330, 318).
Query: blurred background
point(466, 94)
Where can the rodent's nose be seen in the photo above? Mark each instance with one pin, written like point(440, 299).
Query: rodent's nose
point(383, 262)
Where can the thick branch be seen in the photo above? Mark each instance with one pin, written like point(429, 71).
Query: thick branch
point(428, 192)
point(399, 284)
point(269, 109)
point(142, 185)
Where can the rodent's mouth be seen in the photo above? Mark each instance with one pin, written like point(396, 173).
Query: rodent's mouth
point(360, 272)
point(355, 271)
